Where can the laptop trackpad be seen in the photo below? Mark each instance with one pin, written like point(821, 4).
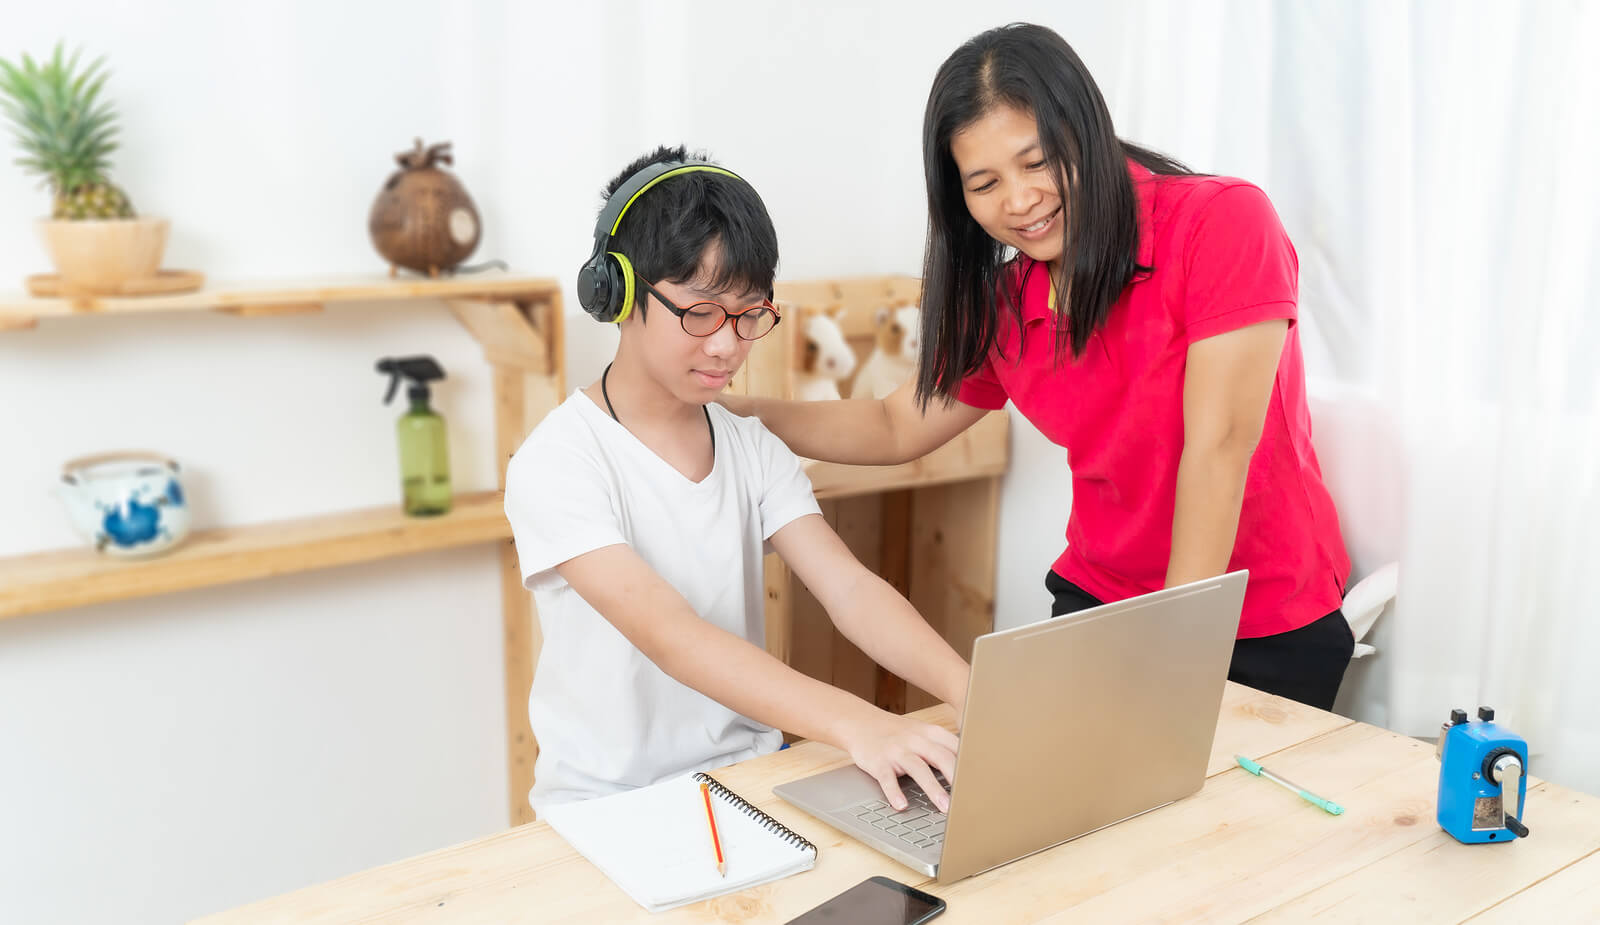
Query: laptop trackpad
point(844, 789)
point(834, 791)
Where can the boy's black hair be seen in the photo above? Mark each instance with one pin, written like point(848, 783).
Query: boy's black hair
point(667, 230)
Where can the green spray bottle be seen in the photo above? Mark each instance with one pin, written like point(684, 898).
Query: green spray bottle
point(424, 446)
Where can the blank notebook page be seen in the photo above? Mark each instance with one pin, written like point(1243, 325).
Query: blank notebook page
point(655, 844)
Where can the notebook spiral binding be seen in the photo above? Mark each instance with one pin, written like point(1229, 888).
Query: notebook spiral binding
point(749, 809)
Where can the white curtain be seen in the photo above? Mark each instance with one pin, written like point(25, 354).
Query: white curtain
point(1436, 165)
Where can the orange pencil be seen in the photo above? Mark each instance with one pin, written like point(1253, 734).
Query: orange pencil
point(711, 818)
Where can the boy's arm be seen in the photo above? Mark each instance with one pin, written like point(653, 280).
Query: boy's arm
point(654, 617)
point(870, 612)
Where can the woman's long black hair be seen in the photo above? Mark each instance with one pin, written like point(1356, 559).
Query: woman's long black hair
point(1032, 69)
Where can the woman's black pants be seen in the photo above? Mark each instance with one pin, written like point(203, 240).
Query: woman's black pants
point(1306, 664)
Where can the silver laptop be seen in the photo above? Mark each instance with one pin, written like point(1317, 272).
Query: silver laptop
point(1071, 724)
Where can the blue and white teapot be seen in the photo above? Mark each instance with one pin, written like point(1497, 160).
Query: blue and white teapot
point(128, 503)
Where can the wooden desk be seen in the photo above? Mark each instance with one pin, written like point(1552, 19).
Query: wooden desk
point(1239, 849)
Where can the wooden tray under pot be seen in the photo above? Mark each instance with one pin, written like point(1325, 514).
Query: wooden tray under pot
point(50, 285)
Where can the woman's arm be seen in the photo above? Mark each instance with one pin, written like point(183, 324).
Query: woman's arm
point(1226, 386)
point(859, 431)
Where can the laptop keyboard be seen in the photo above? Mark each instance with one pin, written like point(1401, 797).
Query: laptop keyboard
point(919, 826)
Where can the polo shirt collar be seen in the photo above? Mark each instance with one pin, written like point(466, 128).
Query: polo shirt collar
point(1144, 194)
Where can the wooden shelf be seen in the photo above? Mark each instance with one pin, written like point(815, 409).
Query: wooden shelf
point(18, 311)
point(979, 452)
point(74, 577)
point(519, 324)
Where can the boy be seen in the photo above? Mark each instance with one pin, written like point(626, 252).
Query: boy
point(641, 510)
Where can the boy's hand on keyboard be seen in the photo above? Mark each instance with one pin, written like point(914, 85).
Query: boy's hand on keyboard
point(889, 746)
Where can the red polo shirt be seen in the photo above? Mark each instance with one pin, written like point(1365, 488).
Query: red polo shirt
point(1220, 261)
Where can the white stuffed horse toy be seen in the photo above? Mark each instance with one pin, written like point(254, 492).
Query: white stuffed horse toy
point(824, 356)
point(894, 354)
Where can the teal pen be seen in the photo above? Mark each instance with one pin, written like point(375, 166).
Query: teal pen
point(1305, 794)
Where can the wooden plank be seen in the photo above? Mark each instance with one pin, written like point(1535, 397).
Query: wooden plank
point(1258, 724)
point(807, 291)
point(894, 508)
point(906, 289)
point(810, 631)
point(263, 309)
point(1438, 879)
point(953, 564)
point(768, 370)
point(321, 291)
point(780, 606)
point(894, 554)
point(979, 452)
point(541, 394)
point(46, 581)
point(507, 334)
point(518, 651)
point(860, 526)
point(521, 340)
point(521, 641)
point(547, 315)
point(548, 389)
point(1571, 894)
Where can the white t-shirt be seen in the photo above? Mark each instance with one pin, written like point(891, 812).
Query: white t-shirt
point(606, 718)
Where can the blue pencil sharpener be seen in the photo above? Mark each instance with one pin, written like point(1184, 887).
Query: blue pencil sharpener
point(1483, 779)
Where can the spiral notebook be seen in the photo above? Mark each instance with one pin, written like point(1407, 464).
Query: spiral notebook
point(655, 844)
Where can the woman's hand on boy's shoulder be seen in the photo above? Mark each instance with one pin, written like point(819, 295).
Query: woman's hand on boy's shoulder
point(889, 746)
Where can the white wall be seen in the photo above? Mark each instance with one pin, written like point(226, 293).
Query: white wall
point(177, 755)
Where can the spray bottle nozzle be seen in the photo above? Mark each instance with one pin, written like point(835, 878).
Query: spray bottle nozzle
point(419, 369)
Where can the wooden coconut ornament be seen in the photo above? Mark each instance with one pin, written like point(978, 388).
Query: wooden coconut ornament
point(423, 219)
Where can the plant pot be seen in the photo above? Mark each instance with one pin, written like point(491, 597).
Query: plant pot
point(99, 256)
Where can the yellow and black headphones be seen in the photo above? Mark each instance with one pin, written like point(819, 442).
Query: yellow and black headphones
point(605, 283)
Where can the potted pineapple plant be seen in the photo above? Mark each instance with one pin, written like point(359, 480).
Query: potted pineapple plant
point(67, 133)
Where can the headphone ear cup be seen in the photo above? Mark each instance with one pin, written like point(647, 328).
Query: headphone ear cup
point(592, 289)
point(622, 285)
point(600, 288)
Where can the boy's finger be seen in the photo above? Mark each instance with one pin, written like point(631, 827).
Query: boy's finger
point(923, 775)
point(937, 755)
point(946, 763)
point(891, 791)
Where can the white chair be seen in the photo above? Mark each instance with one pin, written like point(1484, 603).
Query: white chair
point(1358, 447)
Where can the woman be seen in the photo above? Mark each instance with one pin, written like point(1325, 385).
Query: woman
point(1141, 316)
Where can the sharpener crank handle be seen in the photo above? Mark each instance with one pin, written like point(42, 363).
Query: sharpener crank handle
point(1508, 774)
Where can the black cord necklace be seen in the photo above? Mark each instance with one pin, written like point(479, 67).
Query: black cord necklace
point(613, 412)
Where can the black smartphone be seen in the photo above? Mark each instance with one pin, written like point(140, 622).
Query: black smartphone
point(876, 901)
